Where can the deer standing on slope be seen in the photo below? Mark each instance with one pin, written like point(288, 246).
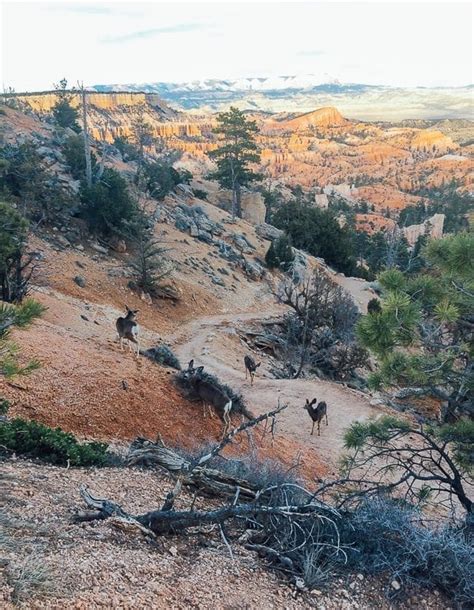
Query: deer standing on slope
point(250, 367)
point(127, 328)
point(210, 394)
point(317, 413)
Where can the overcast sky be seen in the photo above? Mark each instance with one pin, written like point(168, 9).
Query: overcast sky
point(403, 43)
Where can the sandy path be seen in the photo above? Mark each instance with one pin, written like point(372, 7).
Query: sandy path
point(213, 342)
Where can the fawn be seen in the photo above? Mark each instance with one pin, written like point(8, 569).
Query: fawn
point(250, 367)
point(127, 328)
point(317, 413)
point(210, 394)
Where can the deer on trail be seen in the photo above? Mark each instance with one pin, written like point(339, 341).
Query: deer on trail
point(210, 394)
point(317, 413)
point(127, 328)
point(250, 367)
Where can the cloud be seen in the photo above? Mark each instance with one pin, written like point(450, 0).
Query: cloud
point(94, 9)
point(312, 53)
point(179, 28)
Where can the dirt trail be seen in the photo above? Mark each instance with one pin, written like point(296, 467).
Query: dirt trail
point(214, 342)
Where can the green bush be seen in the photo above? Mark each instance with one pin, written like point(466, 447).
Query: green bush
point(128, 151)
point(280, 254)
point(161, 178)
point(163, 355)
point(318, 233)
point(33, 439)
point(107, 204)
point(73, 151)
point(4, 406)
point(200, 194)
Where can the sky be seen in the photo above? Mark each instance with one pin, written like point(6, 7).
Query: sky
point(389, 43)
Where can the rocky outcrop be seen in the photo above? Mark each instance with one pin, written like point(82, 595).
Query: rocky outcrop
point(253, 207)
point(268, 232)
point(432, 227)
point(321, 201)
point(323, 117)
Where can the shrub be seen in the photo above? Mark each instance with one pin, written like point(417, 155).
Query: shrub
point(160, 179)
point(33, 439)
point(73, 151)
point(128, 151)
point(4, 406)
point(107, 204)
point(162, 354)
point(318, 233)
point(25, 179)
point(200, 194)
point(387, 536)
point(280, 253)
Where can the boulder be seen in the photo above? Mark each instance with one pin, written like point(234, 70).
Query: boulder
point(80, 281)
point(268, 232)
point(253, 207)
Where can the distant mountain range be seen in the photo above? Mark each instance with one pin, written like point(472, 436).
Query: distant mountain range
point(306, 92)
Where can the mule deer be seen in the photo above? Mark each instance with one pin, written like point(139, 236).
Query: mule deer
point(317, 413)
point(127, 328)
point(250, 367)
point(210, 394)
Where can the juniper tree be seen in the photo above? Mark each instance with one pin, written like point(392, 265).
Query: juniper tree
point(235, 156)
point(423, 335)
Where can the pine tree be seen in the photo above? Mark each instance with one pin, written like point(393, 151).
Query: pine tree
point(20, 316)
point(234, 157)
point(148, 264)
point(16, 267)
point(423, 336)
point(64, 113)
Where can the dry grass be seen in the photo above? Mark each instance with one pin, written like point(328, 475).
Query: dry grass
point(30, 577)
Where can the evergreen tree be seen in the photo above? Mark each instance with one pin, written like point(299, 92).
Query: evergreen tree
point(280, 253)
point(319, 233)
point(424, 334)
point(16, 267)
point(148, 264)
point(64, 113)
point(107, 204)
point(237, 153)
point(19, 316)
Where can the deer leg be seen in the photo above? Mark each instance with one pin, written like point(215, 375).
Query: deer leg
point(319, 428)
point(245, 372)
point(312, 429)
point(138, 349)
point(121, 344)
point(326, 419)
point(252, 375)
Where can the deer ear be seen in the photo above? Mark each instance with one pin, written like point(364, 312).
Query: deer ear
point(314, 401)
point(307, 401)
point(199, 369)
point(191, 365)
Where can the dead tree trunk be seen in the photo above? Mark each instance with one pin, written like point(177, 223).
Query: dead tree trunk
point(85, 132)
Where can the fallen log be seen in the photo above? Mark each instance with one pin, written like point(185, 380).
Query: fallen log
point(159, 522)
point(194, 473)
